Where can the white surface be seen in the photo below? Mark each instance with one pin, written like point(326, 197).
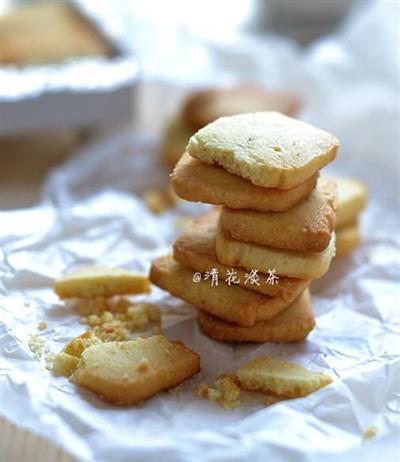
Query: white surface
point(356, 303)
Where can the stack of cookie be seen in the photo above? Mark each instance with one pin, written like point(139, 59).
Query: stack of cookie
point(246, 265)
point(352, 199)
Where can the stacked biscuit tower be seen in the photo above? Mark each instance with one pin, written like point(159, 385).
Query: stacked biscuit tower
point(246, 265)
point(352, 199)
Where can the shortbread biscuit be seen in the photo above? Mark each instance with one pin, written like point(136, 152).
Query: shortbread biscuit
point(352, 198)
point(231, 303)
point(174, 140)
point(197, 181)
point(306, 227)
point(347, 239)
point(266, 148)
point(127, 372)
point(204, 106)
point(280, 377)
point(195, 248)
point(98, 281)
point(291, 325)
point(291, 263)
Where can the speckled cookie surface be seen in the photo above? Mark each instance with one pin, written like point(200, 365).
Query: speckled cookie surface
point(291, 325)
point(195, 248)
point(197, 181)
point(266, 148)
point(229, 302)
point(291, 263)
point(307, 226)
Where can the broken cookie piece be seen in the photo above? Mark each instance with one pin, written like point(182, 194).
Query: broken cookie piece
point(67, 360)
point(98, 281)
point(127, 372)
point(280, 378)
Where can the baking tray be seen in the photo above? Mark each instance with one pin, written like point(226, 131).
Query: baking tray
point(76, 93)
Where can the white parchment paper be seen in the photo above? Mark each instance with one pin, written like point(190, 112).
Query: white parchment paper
point(91, 213)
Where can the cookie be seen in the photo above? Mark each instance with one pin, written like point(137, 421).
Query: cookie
point(347, 239)
point(98, 281)
point(197, 181)
point(48, 32)
point(228, 302)
point(291, 263)
point(306, 227)
point(266, 148)
point(174, 140)
point(291, 325)
point(204, 106)
point(195, 248)
point(128, 372)
point(352, 198)
point(280, 377)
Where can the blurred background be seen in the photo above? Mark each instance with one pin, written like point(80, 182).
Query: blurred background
point(75, 72)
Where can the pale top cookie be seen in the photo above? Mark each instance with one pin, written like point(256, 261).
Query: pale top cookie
point(98, 281)
point(307, 226)
point(128, 372)
point(352, 198)
point(266, 148)
point(280, 377)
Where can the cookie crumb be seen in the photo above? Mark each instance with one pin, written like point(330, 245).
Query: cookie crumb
point(49, 361)
point(225, 392)
point(36, 345)
point(370, 432)
point(128, 318)
point(159, 200)
point(42, 325)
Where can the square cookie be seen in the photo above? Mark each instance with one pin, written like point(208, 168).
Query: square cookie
point(197, 181)
point(307, 226)
point(266, 148)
